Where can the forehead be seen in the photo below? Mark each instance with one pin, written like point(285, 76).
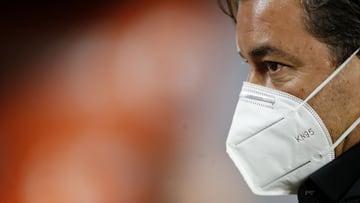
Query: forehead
point(269, 21)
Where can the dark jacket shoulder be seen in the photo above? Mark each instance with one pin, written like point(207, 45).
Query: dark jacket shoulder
point(336, 182)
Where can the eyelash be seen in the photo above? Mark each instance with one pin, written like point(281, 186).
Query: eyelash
point(265, 66)
point(272, 67)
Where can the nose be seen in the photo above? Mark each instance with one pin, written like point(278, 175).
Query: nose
point(256, 77)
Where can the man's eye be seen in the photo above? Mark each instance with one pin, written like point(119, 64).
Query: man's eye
point(273, 67)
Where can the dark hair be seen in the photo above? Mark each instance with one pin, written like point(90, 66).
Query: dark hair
point(333, 22)
point(229, 7)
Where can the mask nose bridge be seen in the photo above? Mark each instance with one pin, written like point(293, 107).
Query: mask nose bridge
point(258, 98)
point(261, 99)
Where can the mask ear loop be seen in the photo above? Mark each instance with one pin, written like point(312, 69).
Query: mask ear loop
point(338, 141)
point(317, 90)
point(332, 76)
point(344, 135)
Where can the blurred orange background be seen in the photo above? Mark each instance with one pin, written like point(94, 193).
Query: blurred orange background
point(118, 102)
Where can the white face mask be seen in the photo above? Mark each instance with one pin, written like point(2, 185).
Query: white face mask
point(276, 140)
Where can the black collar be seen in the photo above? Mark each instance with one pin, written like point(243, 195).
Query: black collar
point(335, 179)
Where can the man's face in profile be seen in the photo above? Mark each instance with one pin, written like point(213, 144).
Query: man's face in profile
point(283, 55)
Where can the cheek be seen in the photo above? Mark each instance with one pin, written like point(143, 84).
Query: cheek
point(300, 85)
point(332, 106)
point(304, 80)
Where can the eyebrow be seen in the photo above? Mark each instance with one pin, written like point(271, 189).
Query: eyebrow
point(265, 50)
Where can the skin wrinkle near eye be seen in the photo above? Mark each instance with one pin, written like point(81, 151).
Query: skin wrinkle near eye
point(268, 50)
point(280, 56)
point(266, 54)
